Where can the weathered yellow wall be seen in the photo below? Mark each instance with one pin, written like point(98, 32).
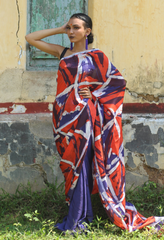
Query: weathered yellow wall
point(13, 30)
point(17, 84)
point(131, 34)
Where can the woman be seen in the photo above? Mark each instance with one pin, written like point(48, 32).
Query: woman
point(87, 127)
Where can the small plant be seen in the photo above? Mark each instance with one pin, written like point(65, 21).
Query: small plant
point(47, 226)
point(32, 216)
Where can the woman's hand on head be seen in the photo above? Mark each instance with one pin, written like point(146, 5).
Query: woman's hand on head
point(64, 27)
point(85, 92)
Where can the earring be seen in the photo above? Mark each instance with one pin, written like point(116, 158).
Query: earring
point(71, 47)
point(86, 43)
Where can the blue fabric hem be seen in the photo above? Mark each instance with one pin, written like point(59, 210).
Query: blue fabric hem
point(80, 209)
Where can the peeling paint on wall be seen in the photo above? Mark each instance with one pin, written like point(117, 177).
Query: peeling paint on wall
point(18, 109)
point(50, 106)
point(144, 146)
point(2, 110)
point(28, 152)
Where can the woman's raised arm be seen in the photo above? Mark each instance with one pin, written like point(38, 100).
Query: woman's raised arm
point(35, 39)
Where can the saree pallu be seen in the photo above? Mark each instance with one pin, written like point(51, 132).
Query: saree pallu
point(76, 120)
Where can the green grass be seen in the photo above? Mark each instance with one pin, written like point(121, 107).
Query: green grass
point(32, 215)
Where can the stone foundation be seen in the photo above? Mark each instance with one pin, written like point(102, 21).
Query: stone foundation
point(28, 153)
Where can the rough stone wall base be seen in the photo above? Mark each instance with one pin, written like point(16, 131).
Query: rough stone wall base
point(28, 153)
point(144, 148)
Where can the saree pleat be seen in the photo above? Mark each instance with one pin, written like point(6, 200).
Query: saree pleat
point(80, 209)
point(77, 121)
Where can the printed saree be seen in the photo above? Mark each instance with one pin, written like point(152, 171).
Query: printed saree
point(82, 126)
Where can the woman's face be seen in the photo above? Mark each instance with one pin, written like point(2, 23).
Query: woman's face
point(75, 30)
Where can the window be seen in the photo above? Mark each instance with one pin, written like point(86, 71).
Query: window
point(44, 14)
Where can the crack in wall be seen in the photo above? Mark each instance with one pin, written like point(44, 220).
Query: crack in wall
point(18, 42)
point(144, 96)
point(42, 172)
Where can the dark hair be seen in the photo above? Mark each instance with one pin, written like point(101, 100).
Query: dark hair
point(88, 23)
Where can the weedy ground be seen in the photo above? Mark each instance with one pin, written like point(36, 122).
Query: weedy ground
point(32, 215)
